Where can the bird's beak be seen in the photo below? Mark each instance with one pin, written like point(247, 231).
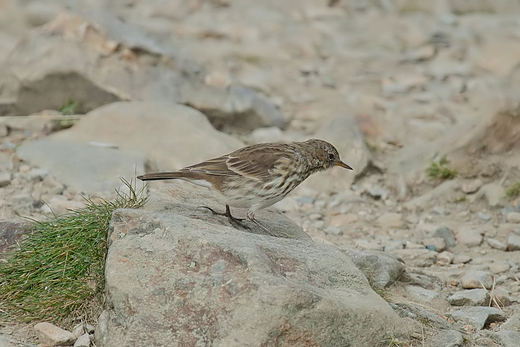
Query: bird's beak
point(343, 165)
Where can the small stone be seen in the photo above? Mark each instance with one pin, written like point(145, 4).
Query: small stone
point(37, 174)
point(90, 328)
point(469, 236)
point(421, 294)
point(447, 234)
point(476, 279)
point(438, 244)
point(513, 242)
point(381, 269)
point(484, 216)
point(390, 220)
point(448, 338)
point(5, 178)
point(494, 193)
point(471, 297)
point(478, 316)
point(499, 266)
point(501, 296)
point(416, 257)
point(378, 193)
point(78, 330)
point(394, 244)
point(513, 217)
point(472, 186)
point(462, 259)
point(413, 245)
point(445, 258)
point(83, 341)
point(54, 335)
point(21, 202)
point(496, 244)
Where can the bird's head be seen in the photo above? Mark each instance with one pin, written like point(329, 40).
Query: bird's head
point(325, 155)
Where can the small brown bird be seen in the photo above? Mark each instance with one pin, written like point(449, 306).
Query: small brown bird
point(257, 176)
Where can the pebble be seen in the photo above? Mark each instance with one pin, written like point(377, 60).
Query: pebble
point(472, 186)
point(447, 234)
point(476, 279)
point(484, 216)
point(435, 244)
point(501, 296)
point(499, 266)
point(416, 257)
point(54, 335)
point(390, 220)
point(496, 244)
point(394, 244)
point(447, 338)
point(83, 341)
point(377, 193)
point(462, 259)
point(78, 330)
point(471, 297)
point(513, 217)
point(37, 174)
point(469, 236)
point(494, 194)
point(513, 242)
point(445, 258)
point(5, 178)
point(478, 316)
point(421, 294)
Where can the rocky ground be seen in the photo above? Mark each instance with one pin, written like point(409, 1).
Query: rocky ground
point(395, 85)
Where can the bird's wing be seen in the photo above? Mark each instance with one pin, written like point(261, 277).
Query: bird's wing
point(255, 162)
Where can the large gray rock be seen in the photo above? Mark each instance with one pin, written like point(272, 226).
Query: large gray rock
point(176, 276)
point(116, 140)
point(95, 58)
point(381, 269)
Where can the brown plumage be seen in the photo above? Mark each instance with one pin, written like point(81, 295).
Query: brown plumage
point(258, 176)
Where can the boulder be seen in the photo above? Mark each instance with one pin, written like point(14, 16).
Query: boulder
point(116, 140)
point(177, 276)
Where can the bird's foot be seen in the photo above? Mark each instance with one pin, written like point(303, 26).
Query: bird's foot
point(236, 222)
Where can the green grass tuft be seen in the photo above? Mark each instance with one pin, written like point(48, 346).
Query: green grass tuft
point(440, 170)
point(514, 191)
point(69, 108)
point(57, 274)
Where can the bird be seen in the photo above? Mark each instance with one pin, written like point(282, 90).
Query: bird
point(257, 176)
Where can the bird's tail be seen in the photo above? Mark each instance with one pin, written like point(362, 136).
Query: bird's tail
point(155, 176)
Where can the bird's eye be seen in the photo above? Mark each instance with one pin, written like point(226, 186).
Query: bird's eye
point(331, 156)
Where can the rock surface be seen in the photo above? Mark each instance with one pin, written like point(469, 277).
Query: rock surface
point(233, 286)
point(117, 140)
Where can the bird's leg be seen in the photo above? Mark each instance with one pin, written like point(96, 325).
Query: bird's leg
point(251, 216)
point(234, 221)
